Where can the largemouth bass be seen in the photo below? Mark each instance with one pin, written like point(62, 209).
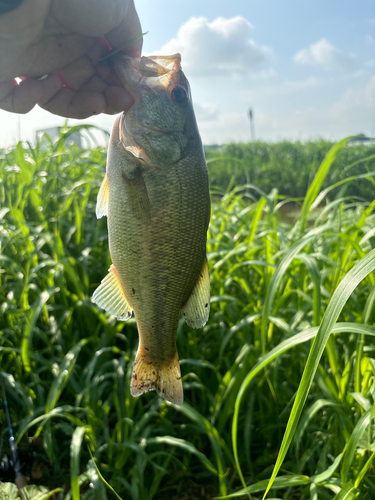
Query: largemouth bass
point(155, 194)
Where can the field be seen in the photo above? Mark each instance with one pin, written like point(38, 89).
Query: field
point(283, 372)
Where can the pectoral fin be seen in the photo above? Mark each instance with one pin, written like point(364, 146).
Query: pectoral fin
point(103, 196)
point(137, 197)
point(110, 296)
point(197, 308)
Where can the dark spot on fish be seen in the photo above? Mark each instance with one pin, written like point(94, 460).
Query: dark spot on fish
point(147, 349)
point(135, 376)
point(178, 378)
point(133, 290)
point(206, 305)
point(150, 363)
point(201, 275)
point(153, 326)
point(153, 373)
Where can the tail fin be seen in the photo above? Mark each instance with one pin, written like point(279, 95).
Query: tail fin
point(162, 377)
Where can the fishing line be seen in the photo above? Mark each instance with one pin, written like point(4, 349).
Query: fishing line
point(20, 479)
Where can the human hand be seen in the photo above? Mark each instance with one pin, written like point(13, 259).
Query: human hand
point(68, 37)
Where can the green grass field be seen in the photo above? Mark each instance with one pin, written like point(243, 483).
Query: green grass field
point(283, 372)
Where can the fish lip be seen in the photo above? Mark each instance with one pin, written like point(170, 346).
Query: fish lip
point(134, 72)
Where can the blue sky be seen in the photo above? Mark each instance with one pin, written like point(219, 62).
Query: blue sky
point(306, 68)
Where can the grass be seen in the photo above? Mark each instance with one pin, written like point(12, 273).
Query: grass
point(279, 383)
point(291, 166)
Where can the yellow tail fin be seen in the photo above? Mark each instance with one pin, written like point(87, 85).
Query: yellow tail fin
point(162, 377)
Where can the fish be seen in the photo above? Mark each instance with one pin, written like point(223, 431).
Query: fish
point(155, 195)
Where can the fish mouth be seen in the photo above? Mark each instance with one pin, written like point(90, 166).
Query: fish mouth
point(153, 73)
point(142, 76)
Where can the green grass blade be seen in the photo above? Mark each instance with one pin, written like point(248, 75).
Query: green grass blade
point(61, 412)
point(103, 480)
point(348, 492)
point(75, 455)
point(256, 219)
point(356, 435)
point(365, 468)
point(309, 415)
point(64, 372)
point(51, 494)
point(96, 480)
point(278, 275)
point(280, 482)
point(324, 476)
point(284, 346)
point(313, 191)
point(28, 333)
point(185, 445)
point(113, 52)
point(362, 269)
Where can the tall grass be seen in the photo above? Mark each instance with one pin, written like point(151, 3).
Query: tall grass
point(288, 349)
point(291, 166)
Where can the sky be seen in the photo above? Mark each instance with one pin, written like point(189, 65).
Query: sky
point(307, 69)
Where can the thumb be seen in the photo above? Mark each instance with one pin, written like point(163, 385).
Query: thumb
point(129, 28)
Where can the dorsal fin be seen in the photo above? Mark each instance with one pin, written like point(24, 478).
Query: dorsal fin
point(103, 196)
point(197, 308)
point(110, 296)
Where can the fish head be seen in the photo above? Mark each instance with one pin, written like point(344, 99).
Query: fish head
point(156, 128)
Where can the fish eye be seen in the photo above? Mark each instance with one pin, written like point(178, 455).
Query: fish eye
point(179, 95)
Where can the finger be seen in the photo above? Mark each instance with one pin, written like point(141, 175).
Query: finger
point(98, 50)
point(6, 88)
point(78, 105)
point(95, 84)
point(77, 73)
point(51, 86)
point(90, 18)
point(112, 79)
point(20, 98)
point(129, 28)
point(118, 99)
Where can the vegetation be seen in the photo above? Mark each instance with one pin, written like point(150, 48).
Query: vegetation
point(290, 301)
point(290, 167)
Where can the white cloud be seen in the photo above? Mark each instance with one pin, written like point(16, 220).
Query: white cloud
point(357, 105)
point(221, 47)
point(206, 112)
point(323, 53)
point(370, 64)
point(291, 87)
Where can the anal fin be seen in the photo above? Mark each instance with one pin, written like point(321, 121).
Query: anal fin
point(164, 377)
point(103, 196)
point(110, 296)
point(197, 308)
